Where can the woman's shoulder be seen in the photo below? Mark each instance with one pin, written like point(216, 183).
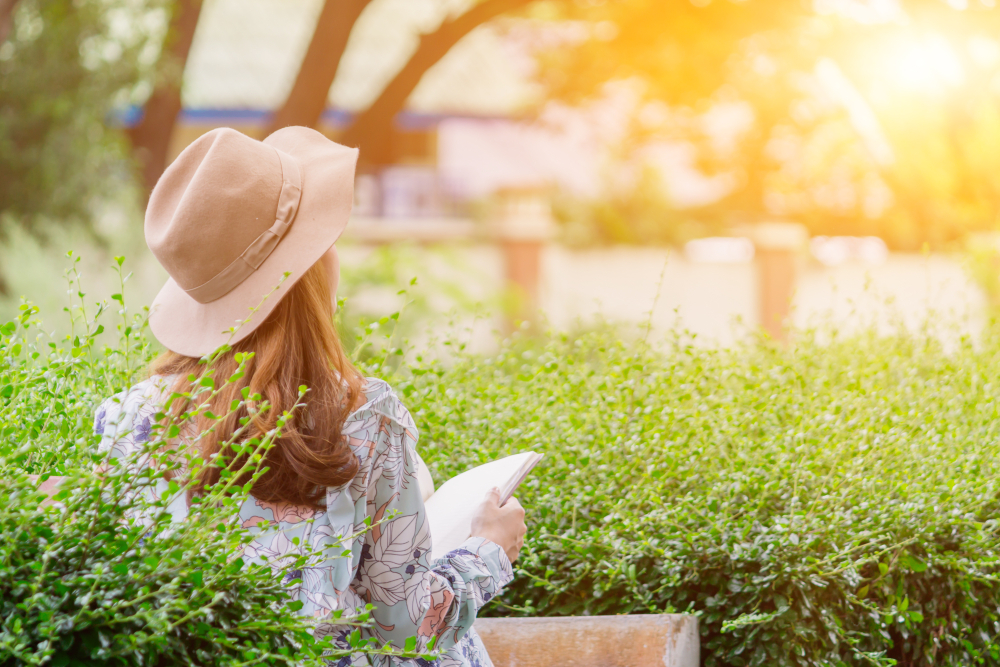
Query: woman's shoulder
point(379, 397)
point(381, 404)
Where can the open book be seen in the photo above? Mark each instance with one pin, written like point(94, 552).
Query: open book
point(450, 508)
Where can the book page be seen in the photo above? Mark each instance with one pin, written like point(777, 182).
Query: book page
point(450, 509)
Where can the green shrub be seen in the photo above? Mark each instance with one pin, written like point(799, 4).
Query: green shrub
point(95, 571)
point(82, 583)
point(824, 504)
point(829, 503)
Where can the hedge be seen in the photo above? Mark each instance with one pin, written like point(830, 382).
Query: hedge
point(828, 502)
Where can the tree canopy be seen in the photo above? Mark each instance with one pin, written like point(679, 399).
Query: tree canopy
point(65, 67)
point(857, 119)
point(862, 122)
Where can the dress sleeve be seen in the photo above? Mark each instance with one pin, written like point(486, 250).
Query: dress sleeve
point(124, 421)
point(412, 596)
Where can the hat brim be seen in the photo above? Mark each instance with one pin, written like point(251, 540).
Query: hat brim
point(195, 329)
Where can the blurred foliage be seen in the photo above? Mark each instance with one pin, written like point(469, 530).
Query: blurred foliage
point(848, 117)
point(65, 68)
point(640, 214)
point(444, 292)
point(679, 49)
point(899, 144)
point(886, 148)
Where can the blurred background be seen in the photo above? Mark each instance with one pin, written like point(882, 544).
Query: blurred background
point(728, 166)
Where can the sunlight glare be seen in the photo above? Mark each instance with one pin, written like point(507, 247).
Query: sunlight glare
point(866, 12)
point(921, 64)
point(984, 51)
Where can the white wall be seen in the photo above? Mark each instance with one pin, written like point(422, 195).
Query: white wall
point(717, 302)
point(909, 288)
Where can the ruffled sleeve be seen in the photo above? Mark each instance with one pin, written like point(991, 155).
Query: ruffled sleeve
point(412, 596)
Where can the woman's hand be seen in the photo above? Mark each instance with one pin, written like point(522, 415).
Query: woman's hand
point(502, 525)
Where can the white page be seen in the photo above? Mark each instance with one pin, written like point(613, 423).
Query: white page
point(450, 509)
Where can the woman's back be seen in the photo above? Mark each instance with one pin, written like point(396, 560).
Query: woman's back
point(247, 231)
point(387, 566)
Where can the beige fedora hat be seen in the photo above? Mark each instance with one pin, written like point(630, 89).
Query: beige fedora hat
point(229, 217)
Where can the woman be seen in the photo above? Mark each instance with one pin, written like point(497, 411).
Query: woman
point(228, 220)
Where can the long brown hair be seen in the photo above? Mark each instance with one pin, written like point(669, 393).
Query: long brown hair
point(296, 345)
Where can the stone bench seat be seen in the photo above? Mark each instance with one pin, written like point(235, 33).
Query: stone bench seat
point(654, 640)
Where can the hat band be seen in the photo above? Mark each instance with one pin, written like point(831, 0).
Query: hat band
point(251, 259)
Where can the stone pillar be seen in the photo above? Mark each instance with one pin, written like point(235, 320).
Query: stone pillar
point(522, 225)
point(522, 270)
point(778, 249)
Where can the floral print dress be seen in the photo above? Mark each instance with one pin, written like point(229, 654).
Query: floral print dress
point(388, 566)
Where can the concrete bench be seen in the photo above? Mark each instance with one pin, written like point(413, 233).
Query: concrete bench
point(660, 640)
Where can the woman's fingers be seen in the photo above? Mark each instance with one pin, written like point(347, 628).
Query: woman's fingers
point(513, 504)
point(503, 525)
point(493, 496)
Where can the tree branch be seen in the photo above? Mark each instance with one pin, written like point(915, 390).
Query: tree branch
point(372, 130)
point(151, 136)
point(6, 18)
point(307, 99)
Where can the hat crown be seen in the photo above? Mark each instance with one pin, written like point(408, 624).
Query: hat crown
point(236, 222)
point(219, 195)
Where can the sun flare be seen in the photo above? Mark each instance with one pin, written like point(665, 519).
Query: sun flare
point(919, 63)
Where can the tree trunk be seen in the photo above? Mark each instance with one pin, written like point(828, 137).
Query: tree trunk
point(151, 136)
point(6, 18)
point(373, 130)
point(307, 99)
